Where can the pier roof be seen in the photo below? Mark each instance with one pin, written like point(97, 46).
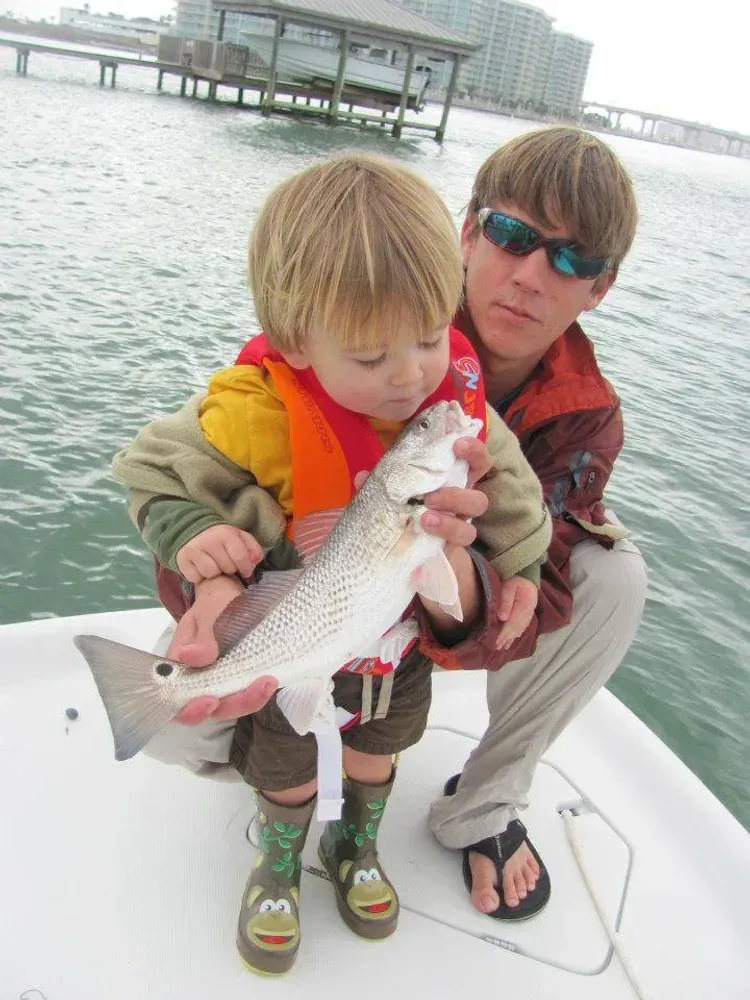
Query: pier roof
point(371, 18)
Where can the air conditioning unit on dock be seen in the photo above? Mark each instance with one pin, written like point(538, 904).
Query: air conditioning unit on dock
point(175, 50)
point(217, 60)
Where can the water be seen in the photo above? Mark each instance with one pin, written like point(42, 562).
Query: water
point(123, 226)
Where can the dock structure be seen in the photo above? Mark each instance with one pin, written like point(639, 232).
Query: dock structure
point(336, 101)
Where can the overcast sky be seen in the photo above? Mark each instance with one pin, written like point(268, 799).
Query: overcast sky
point(649, 54)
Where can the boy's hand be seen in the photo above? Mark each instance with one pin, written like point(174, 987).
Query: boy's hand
point(194, 644)
point(518, 600)
point(221, 550)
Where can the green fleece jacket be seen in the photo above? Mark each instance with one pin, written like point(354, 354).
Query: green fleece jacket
point(179, 485)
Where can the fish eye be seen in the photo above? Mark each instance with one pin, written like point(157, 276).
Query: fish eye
point(164, 669)
point(424, 423)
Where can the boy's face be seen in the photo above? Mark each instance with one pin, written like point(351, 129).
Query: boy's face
point(389, 384)
point(521, 305)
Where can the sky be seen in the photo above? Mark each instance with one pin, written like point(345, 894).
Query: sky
point(653, 55)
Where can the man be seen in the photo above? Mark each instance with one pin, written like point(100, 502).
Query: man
point(551, 217)
point(523, 297)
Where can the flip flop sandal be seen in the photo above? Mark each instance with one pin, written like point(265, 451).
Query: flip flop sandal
point(498, 849)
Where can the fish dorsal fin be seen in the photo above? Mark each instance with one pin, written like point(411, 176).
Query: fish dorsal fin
point(312, 530)
point(436, 581)
point(300, 703)
point(251, 606)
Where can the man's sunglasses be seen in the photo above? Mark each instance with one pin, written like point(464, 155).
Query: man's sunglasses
point(519, 239)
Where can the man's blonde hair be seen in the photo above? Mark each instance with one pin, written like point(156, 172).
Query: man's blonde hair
point(564, 176)
point(356, 248)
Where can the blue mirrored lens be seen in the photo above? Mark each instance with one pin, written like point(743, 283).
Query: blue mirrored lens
point(566, 260)
point(510, 234)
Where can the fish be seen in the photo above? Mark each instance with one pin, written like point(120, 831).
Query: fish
point(361, 569)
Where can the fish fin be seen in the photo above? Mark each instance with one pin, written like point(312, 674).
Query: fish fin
point(436, 581)
point(312, 530)
point(395, 641)
point(390, 646)
point(251, 606)
point(300, 703)
point(137, 705)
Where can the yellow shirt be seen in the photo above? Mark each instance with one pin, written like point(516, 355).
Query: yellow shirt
point(245, 419)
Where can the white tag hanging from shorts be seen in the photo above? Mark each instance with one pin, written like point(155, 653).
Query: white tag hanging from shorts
point(330, 793)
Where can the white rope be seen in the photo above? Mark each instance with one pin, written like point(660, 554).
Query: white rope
point(614, 935)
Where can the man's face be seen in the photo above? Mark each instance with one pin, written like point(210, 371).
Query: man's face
point(521, 305)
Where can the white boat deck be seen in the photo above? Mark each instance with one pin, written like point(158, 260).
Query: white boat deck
point(122, 880)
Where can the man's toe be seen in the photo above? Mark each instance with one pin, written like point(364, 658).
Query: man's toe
point(530, 875)
point(509, 889)
point(483, 890)
point(519, 880)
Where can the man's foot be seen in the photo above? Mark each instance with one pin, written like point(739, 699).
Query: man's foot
point(508, 861)
point(520, 874)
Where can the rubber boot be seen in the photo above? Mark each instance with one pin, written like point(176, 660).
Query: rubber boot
point(348, 850)
point(268, 931)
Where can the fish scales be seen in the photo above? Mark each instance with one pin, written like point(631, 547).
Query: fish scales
point(350, 595)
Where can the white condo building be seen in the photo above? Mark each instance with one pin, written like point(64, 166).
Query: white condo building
point(522, 60)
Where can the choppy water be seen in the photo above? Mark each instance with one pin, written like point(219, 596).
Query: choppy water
point(123, 223)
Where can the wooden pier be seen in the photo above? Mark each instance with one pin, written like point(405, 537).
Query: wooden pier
point(366, 108)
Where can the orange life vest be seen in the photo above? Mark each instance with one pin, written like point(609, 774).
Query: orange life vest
point(330, 444)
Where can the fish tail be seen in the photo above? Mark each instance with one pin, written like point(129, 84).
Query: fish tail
point(136, 703)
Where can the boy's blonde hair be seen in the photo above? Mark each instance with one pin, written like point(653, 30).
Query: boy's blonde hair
point(356, 248)
point(564, 176)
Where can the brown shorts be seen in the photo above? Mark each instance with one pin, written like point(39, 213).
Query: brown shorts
point(270, 755)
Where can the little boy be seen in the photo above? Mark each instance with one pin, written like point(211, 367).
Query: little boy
point(355, 271)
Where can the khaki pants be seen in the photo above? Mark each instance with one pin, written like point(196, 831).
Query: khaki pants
point(531, 701)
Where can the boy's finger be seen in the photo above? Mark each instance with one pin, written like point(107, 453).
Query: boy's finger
point(508, 635)
point(251, 554)
point(238, 558)
point(206, 566)
point(201, 651)
point(507, 598)
point(223, 559)
point(188, 569)
point(183, 636)
point(252, 546)
point(515, 626)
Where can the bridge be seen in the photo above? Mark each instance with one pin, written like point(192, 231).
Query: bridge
point(664, 128)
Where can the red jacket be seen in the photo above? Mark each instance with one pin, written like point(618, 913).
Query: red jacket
point(567, 419)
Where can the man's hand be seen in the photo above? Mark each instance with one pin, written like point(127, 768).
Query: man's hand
point(217, 551)
point(194, 644)
point(449, 508)
point(447, 514)
point(518, 600)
